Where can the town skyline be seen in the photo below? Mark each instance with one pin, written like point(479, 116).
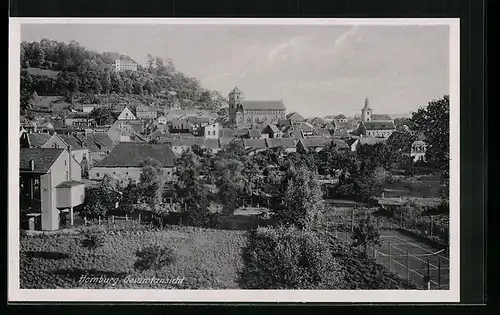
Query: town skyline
point(316, 70)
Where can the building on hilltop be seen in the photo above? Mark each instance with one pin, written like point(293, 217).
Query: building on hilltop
point(124, 65)
point(248, 112)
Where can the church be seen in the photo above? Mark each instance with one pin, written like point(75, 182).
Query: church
point(245, 113)
point(373, 125)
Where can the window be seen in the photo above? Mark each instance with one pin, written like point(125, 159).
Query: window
point(213, 133)
point(36, 188)
point(65, 162)
point(126, 173)
point(67, 175)
point(84, 155)
point(97, 174)
point(114, 173)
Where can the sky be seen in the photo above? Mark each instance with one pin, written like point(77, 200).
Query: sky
point(317, 70)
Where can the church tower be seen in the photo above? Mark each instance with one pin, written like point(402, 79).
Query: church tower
point(366, 112)
point(235, 98)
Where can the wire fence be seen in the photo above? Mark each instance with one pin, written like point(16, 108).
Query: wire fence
point(426, 268)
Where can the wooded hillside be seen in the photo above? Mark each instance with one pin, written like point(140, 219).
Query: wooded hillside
point(52, 68)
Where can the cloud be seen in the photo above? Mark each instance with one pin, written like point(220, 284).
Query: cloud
point(344, 42)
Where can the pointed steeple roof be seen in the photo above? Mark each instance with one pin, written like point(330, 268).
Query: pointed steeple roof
point(367, 104)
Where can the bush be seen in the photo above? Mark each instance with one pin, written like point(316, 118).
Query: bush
point(287, 258)
point(365, 233)
point(154, 257)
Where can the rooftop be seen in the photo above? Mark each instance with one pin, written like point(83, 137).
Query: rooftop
point(276, 105)
point(379, 125)
point(43, 159)
point(130, 154)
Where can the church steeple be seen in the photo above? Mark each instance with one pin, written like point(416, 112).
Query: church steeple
point(366, 112)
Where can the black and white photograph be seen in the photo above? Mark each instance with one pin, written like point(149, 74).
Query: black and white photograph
point(234, 160)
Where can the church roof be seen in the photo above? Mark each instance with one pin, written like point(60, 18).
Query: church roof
point(263, 105)
point(384, 117)
point(379, 125)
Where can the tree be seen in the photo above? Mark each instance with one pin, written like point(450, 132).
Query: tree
point(100, 200)
point(102, 116)
point(190, 189)
point(301, 196)
point(230, 183)
point(434, 122)
point(152, 181)
point(365, 233)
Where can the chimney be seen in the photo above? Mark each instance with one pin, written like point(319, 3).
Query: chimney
point(32, 165)
point(69, 163)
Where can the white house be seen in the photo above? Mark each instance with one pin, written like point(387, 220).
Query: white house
point(161, 120)
point(212, 131)
point(418, 149)
point(88, 108)
point(126, 114)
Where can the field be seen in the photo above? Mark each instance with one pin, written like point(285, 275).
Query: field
point(418, 186)
point(204, 258)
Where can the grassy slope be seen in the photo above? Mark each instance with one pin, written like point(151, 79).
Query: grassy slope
point(205, 258)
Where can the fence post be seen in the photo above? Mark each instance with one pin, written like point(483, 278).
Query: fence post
point(113, 218)
point(126, 217)
point(85, 220)
point(408, 265)
point(139, 218)
point(428, 275)
point(352, 220)
point(439, 272)
point(99, 220)
point(432, 224)
point(390, 259)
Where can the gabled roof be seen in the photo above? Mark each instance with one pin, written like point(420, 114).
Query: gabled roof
point(306, 127)
point(72, 141)
point(188, 142)
point(271, 128)
point(295, 117)
point(379, 125)
point(276, 105)
point(37, 140)
point(131, 154)
point(284, 123)
point(43, 158)
point(314, 142)
point(226, 133)
point(212, 143)
point(254, 133)
point(69, 184)
point(255, 143)
point(283, 142)
point(317, 121)
point(226, 141)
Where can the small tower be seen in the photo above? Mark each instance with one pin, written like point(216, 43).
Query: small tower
point(366, 112)
point(235, 98)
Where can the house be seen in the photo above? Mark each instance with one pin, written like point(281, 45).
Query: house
point(196, 124)
point(312, 144)
point(124, 161)
point(161, 120)
point(50, 187)
point(294, 134)
point(272, 131)
point(160, 136)
point(288, 144)
point(126, 114)
point(340, 118)
point(182, 145)
point(125, 65)
point(180, 125)
point(284, 124)
point(99, 145)
point(253, 134)
point(306, 128)
point(226, 141)
point(376, 129)
point(243, 113)
point(88, 108)
point(418, 149)
point(295, 118)
point(79, 151)
point(81, 120)
point(317, 122)
point(124, 131)
point(254, 145)
point(146, 112)
point(212, 131)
